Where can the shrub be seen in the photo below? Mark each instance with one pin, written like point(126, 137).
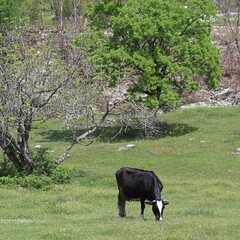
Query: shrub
point(7, 168)
point(47, 174)
point(45, 163)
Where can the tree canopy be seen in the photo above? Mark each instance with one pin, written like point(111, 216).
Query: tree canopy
point(166, 41)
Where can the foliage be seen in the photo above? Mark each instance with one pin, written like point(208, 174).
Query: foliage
point(101, 11)
point(108, 66)
point(8, 9)
point(31, 9)
point(45, 164)
point(166, 42)
point(40, 11)
point(46, 175)
point(9, 12)
point(7, 168)
point(13, 12)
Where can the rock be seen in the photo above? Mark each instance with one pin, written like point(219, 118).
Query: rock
point(130, 145)
point(237, 151)
point(38, 146)
point(126, 147)
point(121, 149)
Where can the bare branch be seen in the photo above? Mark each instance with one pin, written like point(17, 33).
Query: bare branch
point(86, 134)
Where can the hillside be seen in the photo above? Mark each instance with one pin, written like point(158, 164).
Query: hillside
point(197, 159)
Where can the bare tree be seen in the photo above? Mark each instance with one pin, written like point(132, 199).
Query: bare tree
point(37, 83)
point(31, 77)
point(68, 11)
point(229, 12)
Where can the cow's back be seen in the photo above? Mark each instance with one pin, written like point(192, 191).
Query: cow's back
point(136, 183)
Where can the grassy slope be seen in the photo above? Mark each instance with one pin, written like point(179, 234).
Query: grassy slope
point(194, 161)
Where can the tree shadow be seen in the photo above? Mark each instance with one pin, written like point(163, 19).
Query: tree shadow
point(164, 130)
point(59, 135)
point(116, 134)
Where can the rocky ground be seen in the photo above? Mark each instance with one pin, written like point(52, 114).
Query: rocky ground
point(227, 94)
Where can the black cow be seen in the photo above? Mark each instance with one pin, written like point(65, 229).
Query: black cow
point(140, 185)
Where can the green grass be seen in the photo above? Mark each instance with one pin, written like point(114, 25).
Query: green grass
point(193, 158)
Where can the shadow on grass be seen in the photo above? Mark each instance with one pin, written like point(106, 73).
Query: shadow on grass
point(113, 134)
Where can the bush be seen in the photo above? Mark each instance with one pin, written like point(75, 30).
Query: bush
point(47, 174)
point(45, 163)
point(7, 168)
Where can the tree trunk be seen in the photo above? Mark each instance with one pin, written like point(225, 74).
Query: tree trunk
point(27, 164)
point(17, 151)
point(11, 154)
point(20, 160)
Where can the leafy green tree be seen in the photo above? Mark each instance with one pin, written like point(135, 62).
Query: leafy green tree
point(167, 42)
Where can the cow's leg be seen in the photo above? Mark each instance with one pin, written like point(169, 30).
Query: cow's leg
point(142, 208)
point(121, 206)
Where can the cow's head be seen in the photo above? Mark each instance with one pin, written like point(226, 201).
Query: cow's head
point(158, 207)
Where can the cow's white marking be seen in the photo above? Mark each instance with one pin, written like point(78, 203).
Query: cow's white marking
point(160, 207)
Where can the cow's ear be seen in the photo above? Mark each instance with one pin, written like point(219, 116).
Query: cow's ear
point(165, 202)
point(148, 202)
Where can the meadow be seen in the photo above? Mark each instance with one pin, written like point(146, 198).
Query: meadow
point(195, 157)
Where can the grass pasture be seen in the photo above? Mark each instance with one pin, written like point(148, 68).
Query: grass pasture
point(195, 158)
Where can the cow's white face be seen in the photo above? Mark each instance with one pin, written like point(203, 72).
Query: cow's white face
point(158, 208)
